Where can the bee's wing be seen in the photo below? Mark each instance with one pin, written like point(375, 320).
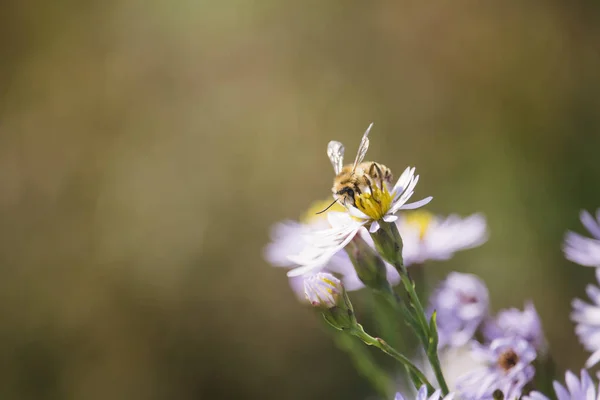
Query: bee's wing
point(362, 149)
point(335, 152)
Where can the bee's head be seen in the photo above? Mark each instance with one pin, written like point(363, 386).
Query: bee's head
point(345, 195)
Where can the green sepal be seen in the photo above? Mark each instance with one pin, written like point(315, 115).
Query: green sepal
point(433, 333)
point(412, 321)
point(331, 322)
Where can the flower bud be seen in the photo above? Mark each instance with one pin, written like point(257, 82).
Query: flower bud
point(389, 243)
point(370, 268)
point(326, 292)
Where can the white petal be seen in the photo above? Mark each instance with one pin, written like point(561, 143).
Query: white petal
point(374, 227)
point(422, 394)
point(303, 270)
point(572, 382)
point(390, 218)
point(355, 212)
point(560, 391)
point(337, 218)
point(403, 180)
point(590, 223)
point(416, 204)
point(593, 360)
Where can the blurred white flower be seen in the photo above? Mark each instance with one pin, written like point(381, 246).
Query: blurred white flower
point(430, 237)
point(455, 362)
point(587, 317)
point(289, 237)
point(583, 250)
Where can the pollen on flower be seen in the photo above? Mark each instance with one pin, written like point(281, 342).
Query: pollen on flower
point(421, 219)
point(508, 359)
point(311, 214)
point(376, 204)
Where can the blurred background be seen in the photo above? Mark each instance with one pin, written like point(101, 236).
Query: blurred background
point(146, 147)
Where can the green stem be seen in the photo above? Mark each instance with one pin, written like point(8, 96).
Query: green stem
point(364, 363)
point(360, 333)
point(396, 302)
point(422, 319)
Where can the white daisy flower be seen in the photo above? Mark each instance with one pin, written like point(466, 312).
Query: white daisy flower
point(381, 204)
point(431, 237)
point(289, 237)
point(370, 208)
point(587, 317)
point(583, 250)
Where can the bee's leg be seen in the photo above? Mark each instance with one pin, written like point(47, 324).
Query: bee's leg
point(371, 189)
point(373, 170)
point(379, 174)
point(356, 190)
point(388, 176)
point(368, 179)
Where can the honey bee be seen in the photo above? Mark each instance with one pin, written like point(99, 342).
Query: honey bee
point(354, 179)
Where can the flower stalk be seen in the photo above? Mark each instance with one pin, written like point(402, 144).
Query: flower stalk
point(389, 244)
point(416, 374)
point(364, 363)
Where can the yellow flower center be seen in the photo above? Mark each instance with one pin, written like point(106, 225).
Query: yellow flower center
point(329, 282)
point(311, 214)
point(420, 219)
point(375, 205)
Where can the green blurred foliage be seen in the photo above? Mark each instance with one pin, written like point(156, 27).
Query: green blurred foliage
point(147, 146)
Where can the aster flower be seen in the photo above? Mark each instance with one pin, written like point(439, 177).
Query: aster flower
point(516, 323)
point(422, 395)
point(288, 237)
point(461, 302)
point(507, 368)
point(430, 237)
point(587, 317)
point(455, 362)
point(326, 292)
point(583, 250)
point(576, 389)
point(380, 204)
point(371, 208)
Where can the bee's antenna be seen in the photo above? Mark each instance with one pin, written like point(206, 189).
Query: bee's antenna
point(328, 207)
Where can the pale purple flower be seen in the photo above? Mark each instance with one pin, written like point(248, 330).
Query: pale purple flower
point(583, 250)
point(379, 205)
point(507, 368)
point(587, 317)
point(513, 322)
point(575, 389)
point(462, 303)
point(422, 395)
point(432, 237)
